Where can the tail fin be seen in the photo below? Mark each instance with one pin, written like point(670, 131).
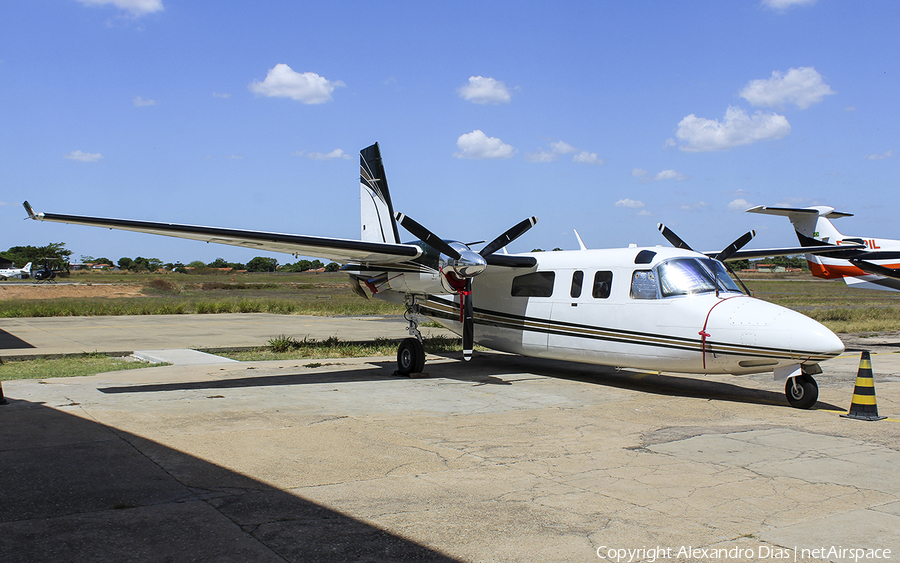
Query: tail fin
point(27, 268)
point(375, 208)
point(811, 223)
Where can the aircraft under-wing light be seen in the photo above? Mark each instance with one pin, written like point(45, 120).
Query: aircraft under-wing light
point(6, 273)
point(862, 262)
point(656, 308)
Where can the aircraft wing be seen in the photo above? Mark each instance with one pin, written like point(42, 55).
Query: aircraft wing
point(338, 250)
point(831, 249)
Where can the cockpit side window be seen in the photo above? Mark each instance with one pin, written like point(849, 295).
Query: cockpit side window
point(685, 277)
point(643, 285)
point(535, 284)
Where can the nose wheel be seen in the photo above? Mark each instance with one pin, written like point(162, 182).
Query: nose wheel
point(801, 391)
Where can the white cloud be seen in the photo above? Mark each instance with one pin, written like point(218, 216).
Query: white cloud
point(481, 90)
point(699, 134)
point(478, 145)
point(740, 205)
point(638, 172)
point(630, 203)
point(694, 206)
point(802, 87)
point(559, 148)
point(782, 5)
point(83, 156)
point(136, 8)
point(669, 175)
point(141, 102)
point(881, 156)
point(221, 95)
point(333, 155)
point(307, 87)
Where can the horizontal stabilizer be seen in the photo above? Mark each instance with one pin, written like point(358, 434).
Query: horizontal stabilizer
point(821, 211)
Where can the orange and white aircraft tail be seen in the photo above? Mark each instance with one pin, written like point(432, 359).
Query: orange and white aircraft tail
point(875, 265)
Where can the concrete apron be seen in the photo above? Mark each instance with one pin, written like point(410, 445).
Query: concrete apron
point(500, 459)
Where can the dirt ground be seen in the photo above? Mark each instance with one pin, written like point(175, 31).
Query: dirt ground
point(57, 290)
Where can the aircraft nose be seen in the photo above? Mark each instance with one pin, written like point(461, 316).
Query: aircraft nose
point(810, 337)
point(765, 324)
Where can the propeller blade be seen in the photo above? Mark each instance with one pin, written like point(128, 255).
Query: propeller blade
point(510, 235)
point(468, 321)
point(871, 268)
point(427, 236)
point(735, 246)
point(674, 239)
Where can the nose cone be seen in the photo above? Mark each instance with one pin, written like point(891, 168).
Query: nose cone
point(760, 324)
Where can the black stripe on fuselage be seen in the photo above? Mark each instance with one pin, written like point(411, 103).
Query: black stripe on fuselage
point(447, 309)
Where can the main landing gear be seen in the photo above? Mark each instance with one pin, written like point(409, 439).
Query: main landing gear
point(411, 353)
point(801, 391)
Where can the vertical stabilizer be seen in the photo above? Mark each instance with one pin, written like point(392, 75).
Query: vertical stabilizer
point(375, 209)
point(811, 223)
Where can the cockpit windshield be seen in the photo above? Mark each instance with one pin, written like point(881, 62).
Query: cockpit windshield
point(688, 276)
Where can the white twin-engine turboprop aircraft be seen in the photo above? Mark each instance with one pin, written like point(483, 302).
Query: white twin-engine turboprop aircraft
point(6, 273)
point(661, 309)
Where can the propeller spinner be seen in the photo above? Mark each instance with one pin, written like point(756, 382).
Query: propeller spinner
point(464, 264)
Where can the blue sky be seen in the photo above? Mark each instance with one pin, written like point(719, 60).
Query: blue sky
point(606, 117)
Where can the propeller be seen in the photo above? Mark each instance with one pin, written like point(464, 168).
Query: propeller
point(735, 246)
point(723, 255)
point(464, 264)
point(674, 239)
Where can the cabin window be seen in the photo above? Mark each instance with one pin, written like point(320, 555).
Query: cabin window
point(602, 285)
point(643, 285)
point(536, 284)
point(577, 278)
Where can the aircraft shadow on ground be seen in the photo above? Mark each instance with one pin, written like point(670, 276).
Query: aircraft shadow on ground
point(499, 365)
point(675, 385)
point(76, 490)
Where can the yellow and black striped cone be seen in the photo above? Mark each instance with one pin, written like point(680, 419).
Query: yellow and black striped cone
point(863, 406)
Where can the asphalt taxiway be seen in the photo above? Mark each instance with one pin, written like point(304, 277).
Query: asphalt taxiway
point(500, 459)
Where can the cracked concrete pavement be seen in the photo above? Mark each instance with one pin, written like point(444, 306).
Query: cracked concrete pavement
point(501, 459)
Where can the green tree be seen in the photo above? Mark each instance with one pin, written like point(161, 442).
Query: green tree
point(54, 254)
point(262, 264)
point(332, 267)
point(125, 263)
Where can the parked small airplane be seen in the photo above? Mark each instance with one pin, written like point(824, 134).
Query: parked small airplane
point(6, 273)
point(862, 262)
point(661, 309)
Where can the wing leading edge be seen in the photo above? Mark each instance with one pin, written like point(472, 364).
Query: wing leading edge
point(343, 251)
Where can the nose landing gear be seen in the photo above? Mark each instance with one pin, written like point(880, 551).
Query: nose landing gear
point(801, 391)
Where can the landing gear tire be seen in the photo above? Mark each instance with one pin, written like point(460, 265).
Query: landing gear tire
point(410, 357)
point(801, 391)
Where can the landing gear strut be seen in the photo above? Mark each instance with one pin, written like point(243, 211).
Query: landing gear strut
point(411, 353)
point(801, 391)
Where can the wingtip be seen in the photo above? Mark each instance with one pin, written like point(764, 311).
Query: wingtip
point(30, 211)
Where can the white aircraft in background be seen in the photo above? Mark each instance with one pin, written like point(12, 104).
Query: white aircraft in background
point(6, 273)
point(661, 309)
point(873, 263)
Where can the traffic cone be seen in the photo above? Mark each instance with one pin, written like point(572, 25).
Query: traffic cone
point(862, 406)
